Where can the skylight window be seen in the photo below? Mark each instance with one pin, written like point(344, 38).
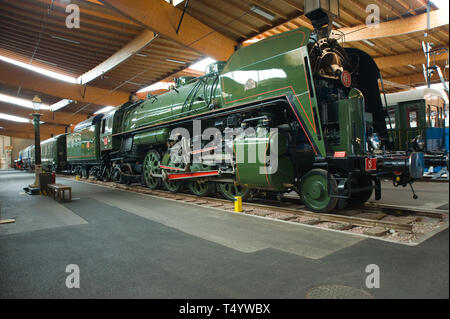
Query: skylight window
point(14, 118)
point(60, 105)
point(21, 102)
point(45, 72)
point(174, 2)
point(157, 86)
point(201, 65)
point(106, 109)
point(441, 4)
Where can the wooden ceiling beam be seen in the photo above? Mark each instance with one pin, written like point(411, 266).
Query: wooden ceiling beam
point(83, 33)
point(21, 134)
point(14, 75)
point(57, 48)
point(58, 15)
point(154, 66)
point(217, 10)
point(95, 42)
point(293, 5)
point(412, 58)
point(213, 21)
point(171, 50)
point(48, 56)
point(270, 8)
point(92, 11)
point(26, 59)
point(245, 9)
point(412, 79)
point(30, 34)
point(401, 15)
point(61, 118)
point(397, 27)
point(381, 50)
point(129, 50)
point(163, 18)
point(45, 129)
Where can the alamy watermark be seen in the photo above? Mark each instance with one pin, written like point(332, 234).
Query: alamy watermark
point(233, 145)
point(373, 279)
point(373, 19)
point(73, 19)
point(73, 279)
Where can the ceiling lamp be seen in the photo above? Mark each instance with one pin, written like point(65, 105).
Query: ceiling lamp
point(262, 13)
point(64, 39)
point(175, 61)
point(369, 43)
point(59, 105)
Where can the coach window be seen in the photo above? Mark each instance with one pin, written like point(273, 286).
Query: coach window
point(433, 116)
point(413, 116)
point(391, 114)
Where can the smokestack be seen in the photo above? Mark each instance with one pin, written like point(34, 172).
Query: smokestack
point(321, 14)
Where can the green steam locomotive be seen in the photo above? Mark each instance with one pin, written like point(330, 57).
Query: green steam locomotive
point(295, 111)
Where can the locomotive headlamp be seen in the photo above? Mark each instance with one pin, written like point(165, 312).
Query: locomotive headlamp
point(374, 142)
point(418, 143)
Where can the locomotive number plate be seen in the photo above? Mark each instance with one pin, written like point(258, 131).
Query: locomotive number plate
point(371, 164)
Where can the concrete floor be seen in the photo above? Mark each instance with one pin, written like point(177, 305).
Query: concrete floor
point(129, 245)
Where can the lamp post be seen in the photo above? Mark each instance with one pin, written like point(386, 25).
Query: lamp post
point(37, 140)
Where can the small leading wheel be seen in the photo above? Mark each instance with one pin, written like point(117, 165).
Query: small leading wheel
point(314, 191)
point(201, 188)
point(230, 190)
point(361, 197)
point(173, 186)
point(151, 166)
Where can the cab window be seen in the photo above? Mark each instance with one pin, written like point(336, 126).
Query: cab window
point(103, 126)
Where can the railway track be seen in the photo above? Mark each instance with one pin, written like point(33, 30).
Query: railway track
point(377, 219)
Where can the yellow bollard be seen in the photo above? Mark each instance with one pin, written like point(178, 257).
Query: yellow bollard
point(238, 204)
point(77, 177)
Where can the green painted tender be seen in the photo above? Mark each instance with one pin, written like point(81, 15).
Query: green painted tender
point(83, 144)
point(53, 153)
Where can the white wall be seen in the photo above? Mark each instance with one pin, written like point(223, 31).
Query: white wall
point(5, 155)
